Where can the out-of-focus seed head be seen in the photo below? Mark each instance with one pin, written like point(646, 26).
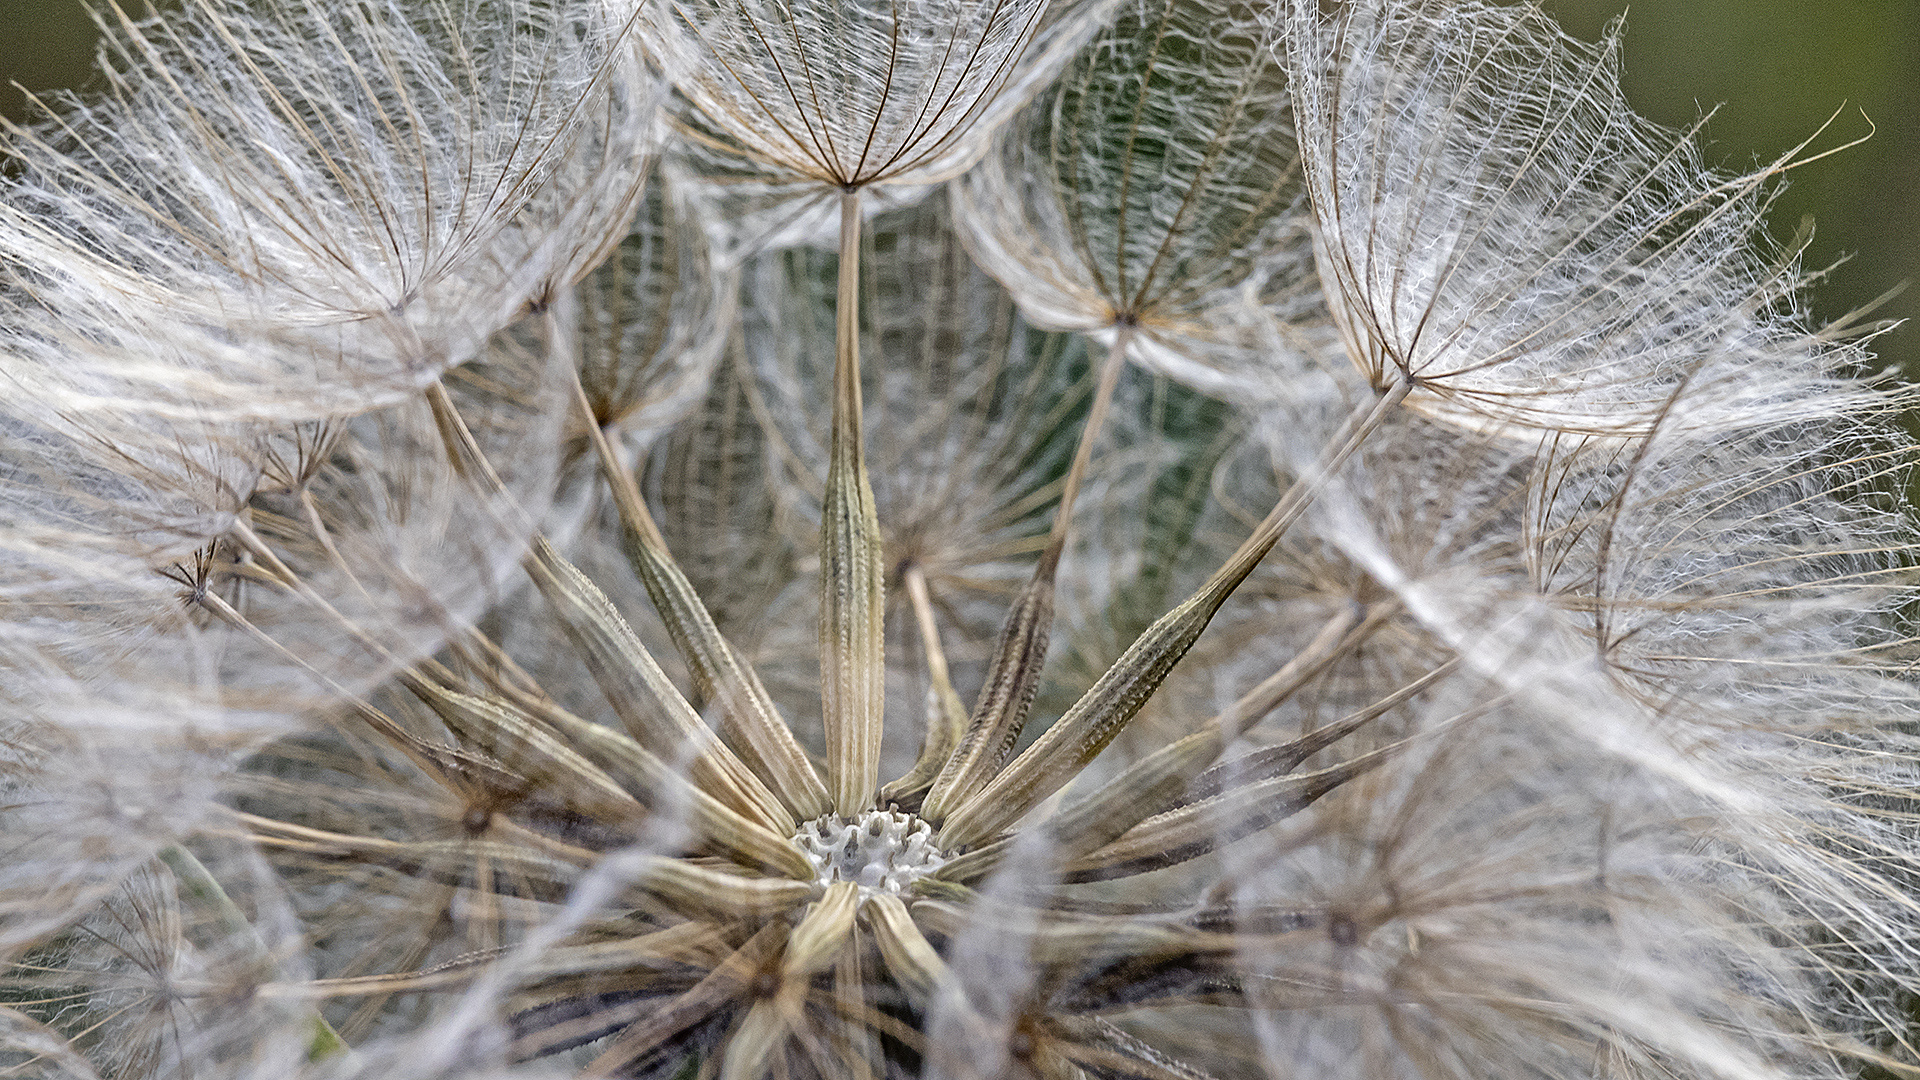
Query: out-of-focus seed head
point(1156, 188)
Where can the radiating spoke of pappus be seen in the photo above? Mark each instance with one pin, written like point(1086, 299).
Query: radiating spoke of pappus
point(859, 92)
point(1495, 223)
point(316, 206)
point(788, 103)
point(1152, 188)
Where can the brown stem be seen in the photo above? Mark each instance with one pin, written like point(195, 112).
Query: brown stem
point(1092, 722)
point(1013, 674)
point(852, 574)
point(946, 717)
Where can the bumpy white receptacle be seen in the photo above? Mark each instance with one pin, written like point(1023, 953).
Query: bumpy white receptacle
point(880, 850)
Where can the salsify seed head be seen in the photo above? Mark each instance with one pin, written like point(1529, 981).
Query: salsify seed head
point(1328, 549)
point(312, 209)
point(1152, 190)
point(788, 105)
point(1494, 224)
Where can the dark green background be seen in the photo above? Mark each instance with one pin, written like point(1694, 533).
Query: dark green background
point(1779, 68)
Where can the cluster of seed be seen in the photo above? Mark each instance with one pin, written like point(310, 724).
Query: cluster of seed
point(881, 850)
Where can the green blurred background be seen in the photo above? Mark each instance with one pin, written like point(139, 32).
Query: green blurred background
point(1779, 68)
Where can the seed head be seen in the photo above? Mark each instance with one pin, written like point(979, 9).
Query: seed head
point(582, 666)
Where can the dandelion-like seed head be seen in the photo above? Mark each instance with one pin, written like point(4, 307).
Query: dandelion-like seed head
point(789, 106)
point(1156, 183)
point(855, 93)
point(739, 661)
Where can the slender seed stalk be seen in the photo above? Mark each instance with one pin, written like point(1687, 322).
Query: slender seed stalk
point(627, 672)
point(1110, 370)
point(463, 450)
point(946, 716)
point(852, 1039)
point(1156, 782)
point(1100, 714)
point(748, 716)
point(659, 946)
point(1195, 828)
point(642, 695)
point(655, 1023)
point(748, 840)
point(1013, 675)
point(852, 572)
